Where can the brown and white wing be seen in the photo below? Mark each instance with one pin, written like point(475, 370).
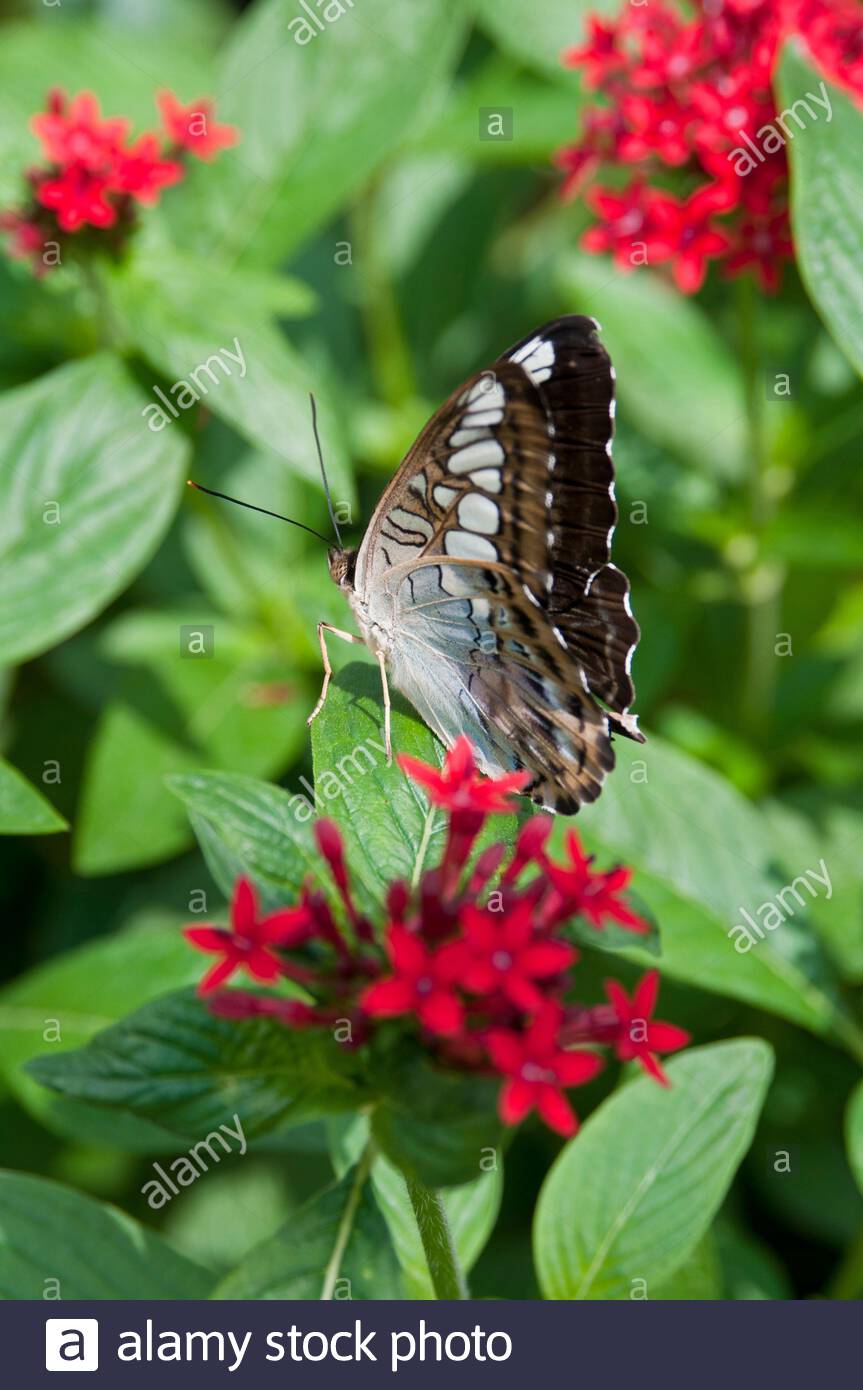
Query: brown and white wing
point(487, 559)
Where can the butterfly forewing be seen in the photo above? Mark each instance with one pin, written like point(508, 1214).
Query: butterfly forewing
point(486, 570)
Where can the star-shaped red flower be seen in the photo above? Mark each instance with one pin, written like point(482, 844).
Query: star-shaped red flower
point(538, 1070)
point(502, 952)
point(249, 941)
point(641, 1036)
point(459, 786)
point(423, 982)
point(194, 127)
point(582, 891)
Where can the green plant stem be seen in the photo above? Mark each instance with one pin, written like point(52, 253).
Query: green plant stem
point(433, 1225)
point(331, 1273)
point(762, 581)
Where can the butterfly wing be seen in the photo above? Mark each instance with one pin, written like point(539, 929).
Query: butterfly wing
point(486, 567)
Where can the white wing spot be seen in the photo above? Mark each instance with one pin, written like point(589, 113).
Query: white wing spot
point(444, 496)
point(560, 637)
point(464, 545)
point(486, 453)
point(488, 479)
point(537, 358)
point(479, 513)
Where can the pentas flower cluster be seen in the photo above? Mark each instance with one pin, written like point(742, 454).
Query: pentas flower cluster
point(475, 958)
point(94, 174)
point(690, 121)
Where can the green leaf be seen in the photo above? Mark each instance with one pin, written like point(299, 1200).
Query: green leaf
point(703, 859)
point(632, 1195)
point(826, 154)
point(310, 139)
point(539, 34)
point(23, 809)
point(336, 1246)
point(254, 828)
point(174, 711)
point(61, 1004)
point(127, 819)
point(226, 350)
point(436, 1126)
point(690, 361)
point(57, 1243)
point(87, 493)
point(174, 1062)
point(699, 1277)
point(544, 113)
point(854, 1133)
point(393, 830)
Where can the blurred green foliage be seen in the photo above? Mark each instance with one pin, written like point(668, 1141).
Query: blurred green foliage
point(364, 242)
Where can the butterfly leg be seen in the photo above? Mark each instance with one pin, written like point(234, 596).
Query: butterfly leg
point(388, 743)
point(328, 670)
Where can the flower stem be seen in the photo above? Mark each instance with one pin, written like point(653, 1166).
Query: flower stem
point(433, 1225)
point(762, 581)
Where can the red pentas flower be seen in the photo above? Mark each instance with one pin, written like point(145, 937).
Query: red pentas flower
point(93, 178)
point(690, 115)
point(640, 1037)
point(538, 1069)
point(249, 942)
point(194, 127)
point(475, 958)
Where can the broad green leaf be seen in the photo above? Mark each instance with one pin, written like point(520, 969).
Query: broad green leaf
point(394, 831)
point(249, 827)
point(698, 1278)
point(689, 362)
point(826, 154)
point(539, 34)
point(86, 493)
point(828, 838)
point(854, 1133)
point(436, 1126)
point(127, 818)
point(310, 139)
point(704, 861)
point(175, 710)
point(23, 809)
point(632, 1195)
point(56, 1243)
point(174, 1062)
point(227, 352)
point(336, 1246)
point(61, 1004)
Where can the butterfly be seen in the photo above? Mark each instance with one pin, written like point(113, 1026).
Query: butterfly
point(483, 583)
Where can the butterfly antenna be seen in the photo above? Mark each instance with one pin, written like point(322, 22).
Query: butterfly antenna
point(252, 508)
point(324, 471)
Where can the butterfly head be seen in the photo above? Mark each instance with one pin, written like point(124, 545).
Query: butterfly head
point(342, 565)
